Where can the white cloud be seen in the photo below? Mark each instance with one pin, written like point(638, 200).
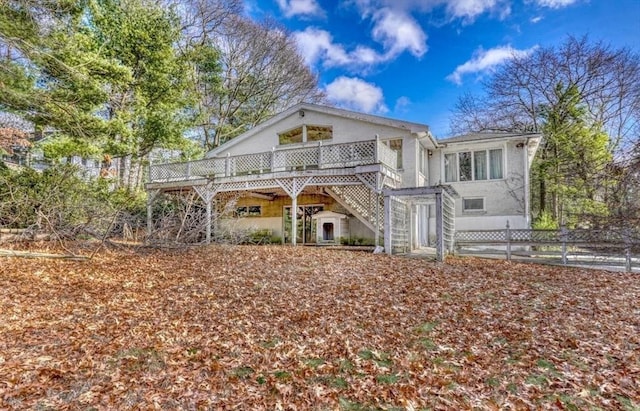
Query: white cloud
point(555, 4)
point(291, 8)
point(317, 45)
point(401, 104)
point(463, 9)
point(356, 94)
point(398, 32)
point(484, 60)
point(535, 19)
point(470, 9)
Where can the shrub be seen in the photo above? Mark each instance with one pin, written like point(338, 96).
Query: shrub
point(545, 221)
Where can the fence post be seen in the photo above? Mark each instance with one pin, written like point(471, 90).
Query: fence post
point(320, 154)
point(563, 238)
point(508, 235)
point(227, 165)
point(627, 251)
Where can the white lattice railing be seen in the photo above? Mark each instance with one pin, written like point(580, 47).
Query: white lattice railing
point(593, 242)
point(387, 156)
point(300, 158)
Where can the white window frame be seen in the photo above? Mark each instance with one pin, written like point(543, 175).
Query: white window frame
point(456, 156)
point(474, 210)
point(422, 160)
point(304, 134)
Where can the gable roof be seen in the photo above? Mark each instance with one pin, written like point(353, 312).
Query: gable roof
point(383, 121)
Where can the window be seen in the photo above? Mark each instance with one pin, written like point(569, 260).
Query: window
point(317, 133)
point(473, 165)
point(464, 165)
point(450, 168)
point(423, 161)
point(291, 136)
point(496, 163)
point(480, 165)
point(396, 145)
point(249, 211)
point(473, 204)
point(305, 133)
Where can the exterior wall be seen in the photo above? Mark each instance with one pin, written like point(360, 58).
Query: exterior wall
point(272, 214)
point(491, 222)
point(503, 199)
point(345, 130)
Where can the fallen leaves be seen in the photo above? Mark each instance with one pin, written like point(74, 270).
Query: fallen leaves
point(310, 328)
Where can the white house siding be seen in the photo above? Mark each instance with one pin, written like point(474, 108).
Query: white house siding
point(504, 199)
point(491, 222)
point(345, 130)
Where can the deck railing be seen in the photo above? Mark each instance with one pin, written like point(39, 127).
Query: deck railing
point(287, 159)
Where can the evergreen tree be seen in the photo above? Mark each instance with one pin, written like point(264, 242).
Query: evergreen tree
point(570, 167)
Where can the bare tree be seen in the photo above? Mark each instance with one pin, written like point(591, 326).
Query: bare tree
point(203, 20)
point(531, 94)
point(515, 97)
point(262, 74)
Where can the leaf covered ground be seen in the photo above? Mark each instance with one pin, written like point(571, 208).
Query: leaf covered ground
point(310, 328)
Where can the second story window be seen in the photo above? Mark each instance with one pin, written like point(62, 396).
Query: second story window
point(317, 133)
point(305, 133)
point(473, 165)
point(291, 136)
point(423, 160)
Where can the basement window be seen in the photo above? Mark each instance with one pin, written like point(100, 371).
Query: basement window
point(472, 204)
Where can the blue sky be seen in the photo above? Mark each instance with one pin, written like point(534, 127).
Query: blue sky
point(412, 59)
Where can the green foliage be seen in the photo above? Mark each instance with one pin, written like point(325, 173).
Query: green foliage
point(58, 201)
point(545, 221)
point(62, 79)
point(569, 171)
point(105, 74)
point(62, 146)
point(151, 107)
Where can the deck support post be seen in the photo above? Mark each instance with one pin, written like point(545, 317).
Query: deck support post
point(207, 193)
point(439, 228)
point(149, 219)
point(208, 222)
point(151, 196)
point(377, 233)
point(294, 219)
point(293, 187)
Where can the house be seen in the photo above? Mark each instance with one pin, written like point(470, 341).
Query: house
point(319, 175)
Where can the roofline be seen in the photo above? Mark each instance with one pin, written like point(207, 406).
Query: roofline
point(414, 128)
point(476, 137)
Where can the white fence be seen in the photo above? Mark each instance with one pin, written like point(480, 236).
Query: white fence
point(578, 246)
